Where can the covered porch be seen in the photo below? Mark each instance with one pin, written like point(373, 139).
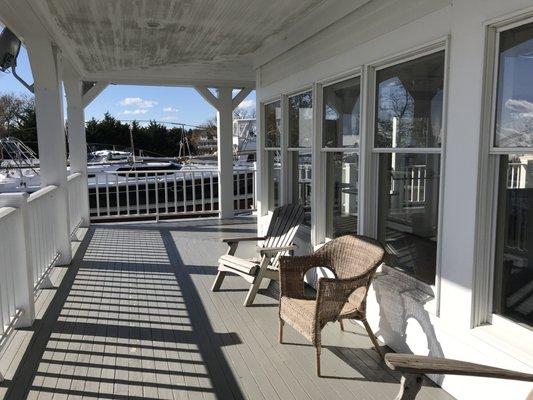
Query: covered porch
point(134, 317)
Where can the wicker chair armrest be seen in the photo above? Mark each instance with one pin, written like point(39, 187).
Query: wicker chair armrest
point(272, 251)
point(333, 293)
point(292, 271)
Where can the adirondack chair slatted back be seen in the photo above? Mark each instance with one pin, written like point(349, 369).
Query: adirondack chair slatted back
point(283, 227)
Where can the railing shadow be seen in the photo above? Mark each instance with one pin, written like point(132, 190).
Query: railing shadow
point(126, 320)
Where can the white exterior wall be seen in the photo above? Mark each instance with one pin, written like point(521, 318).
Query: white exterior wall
point(442, 326)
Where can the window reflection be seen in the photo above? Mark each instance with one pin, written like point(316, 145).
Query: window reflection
point(341, 193)
point(272, 124)
point(513, 276)
point(301, 120)
point(301, 181)
point(342, 112)
point(273, 161)
point(408, 212)
point(514, 104)
point(409, 103)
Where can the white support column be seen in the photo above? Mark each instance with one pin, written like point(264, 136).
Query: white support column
point(224, 103)
point(225, 152)
point(23, 290)
point(44, 62)
point(76, 135)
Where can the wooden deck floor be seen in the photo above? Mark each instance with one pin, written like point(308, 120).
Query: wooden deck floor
point(134, 318)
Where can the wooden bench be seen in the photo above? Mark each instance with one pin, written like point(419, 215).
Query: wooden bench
point(413, 369)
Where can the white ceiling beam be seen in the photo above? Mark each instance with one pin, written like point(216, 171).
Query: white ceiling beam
point(208, 96)
point(172, 79)
point(93, 93)
point(239, 97)
point(303, 28)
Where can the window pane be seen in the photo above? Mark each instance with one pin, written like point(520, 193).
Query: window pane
point(301, 181)
point(301, 120)
point(341, 193)
point(342, 111)
point(272, 124)
point(513, 275)
point(409, 99)
point(408, 212)
point(273, 160)
point(514, 105)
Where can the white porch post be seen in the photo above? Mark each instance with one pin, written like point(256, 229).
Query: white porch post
point(76, 135)
point(44, 62)
point(225, 152)
point(224, 103)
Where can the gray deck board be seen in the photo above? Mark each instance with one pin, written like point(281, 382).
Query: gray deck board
point(133, 317)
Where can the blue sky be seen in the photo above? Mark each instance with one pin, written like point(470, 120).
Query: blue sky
point(126, 102)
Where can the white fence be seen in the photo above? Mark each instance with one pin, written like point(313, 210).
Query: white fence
point(162, 193)
point(10, 265)
point(75, 193)
point(42, 235)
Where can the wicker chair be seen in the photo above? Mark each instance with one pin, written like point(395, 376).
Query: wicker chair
point(353, 260)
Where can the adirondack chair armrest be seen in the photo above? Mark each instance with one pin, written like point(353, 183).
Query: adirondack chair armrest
point(242, 239)
point(414, 364)
point(272, 251)
point(413, 369)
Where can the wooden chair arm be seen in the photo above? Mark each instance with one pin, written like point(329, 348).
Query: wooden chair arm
point(272, 251)
point(242, 239)
point(413, 364)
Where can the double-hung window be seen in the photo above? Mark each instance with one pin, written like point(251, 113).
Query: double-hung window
point(340, 143)
point(272, 129)
point(512, 149)
point(300, 131)
point(408, 132)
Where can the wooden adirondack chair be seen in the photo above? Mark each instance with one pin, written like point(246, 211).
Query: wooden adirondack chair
point(278, 241)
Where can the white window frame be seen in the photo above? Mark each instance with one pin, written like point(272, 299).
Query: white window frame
point(488, 181)
point(286, 151)
point(265, 150)
point(321, 152)
point(371, 153)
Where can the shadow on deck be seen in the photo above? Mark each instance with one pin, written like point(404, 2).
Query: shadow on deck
point(134, 317)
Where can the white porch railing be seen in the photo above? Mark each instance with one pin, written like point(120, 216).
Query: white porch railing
point(75, 193)
point(42, 233)
point(410, 185)
point(162, 193)
point(10, 248)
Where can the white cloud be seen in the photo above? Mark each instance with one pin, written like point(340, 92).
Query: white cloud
point(168, 118)
point(247, 104)
point(138, 102)
point(170, 110)
point(524, 107)
point(137, 111)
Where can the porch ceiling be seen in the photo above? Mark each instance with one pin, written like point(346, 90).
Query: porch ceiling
point(110, 38)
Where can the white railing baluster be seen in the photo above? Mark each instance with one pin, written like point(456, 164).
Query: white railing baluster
point(211, 194)
point(184, 181)
point(166, 192)
point(156, 188)
point(117, 194)
point(97, 192)
point(175, 194)
point(147, 193)
point(107, 194)
point(137, 191)
point(127, 193)
point(193, 186)
point(203, 191)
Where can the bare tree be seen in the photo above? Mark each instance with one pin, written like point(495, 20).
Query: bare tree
point(12, 109)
